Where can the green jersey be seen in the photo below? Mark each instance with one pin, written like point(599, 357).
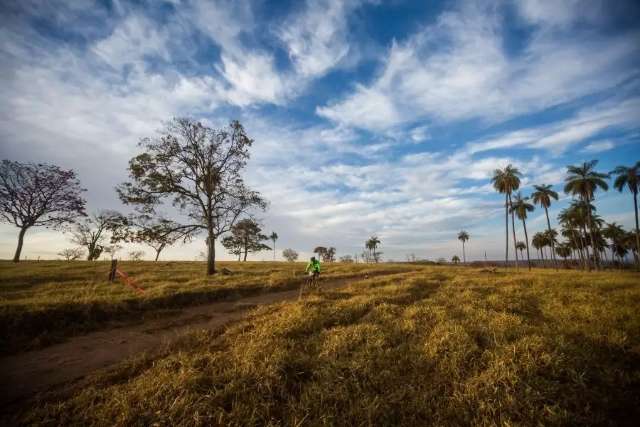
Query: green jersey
point(313, 266)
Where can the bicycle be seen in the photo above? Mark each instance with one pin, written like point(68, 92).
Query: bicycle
point(313, 282)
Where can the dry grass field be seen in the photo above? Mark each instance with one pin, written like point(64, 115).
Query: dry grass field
point(43, 302)
point(438, 346)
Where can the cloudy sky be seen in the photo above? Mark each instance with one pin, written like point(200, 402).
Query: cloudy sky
point(369, 117)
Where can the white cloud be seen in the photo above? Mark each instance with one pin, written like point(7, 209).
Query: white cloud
point(598, 146)
point(317, 37)
point(133, 39)
point(560, 136)
point(458, 68)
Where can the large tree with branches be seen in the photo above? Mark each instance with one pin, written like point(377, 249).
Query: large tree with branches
point(38, 195)
point(198, 169)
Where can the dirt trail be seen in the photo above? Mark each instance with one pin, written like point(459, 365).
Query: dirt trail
point(25, 374)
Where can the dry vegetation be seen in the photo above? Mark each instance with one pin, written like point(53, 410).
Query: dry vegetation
point(443, 346)
point(42, 302)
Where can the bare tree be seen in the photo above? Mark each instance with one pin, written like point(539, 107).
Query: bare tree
point(290, 255)
point(71, 254)
point(38, 195)
point(94, 231)
point(199, 170)
point(136, 255)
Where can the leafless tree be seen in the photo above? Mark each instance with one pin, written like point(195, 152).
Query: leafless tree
point(71, 254)
point(38, 195)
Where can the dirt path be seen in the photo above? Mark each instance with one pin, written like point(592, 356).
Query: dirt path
point(25, 374)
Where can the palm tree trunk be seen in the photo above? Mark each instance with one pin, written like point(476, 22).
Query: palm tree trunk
point(553, 248)
point(596, 256)
point(585, 247)
point(635, 208)
point(513, 229)
point(464, 257)
point(506, 229)
point(526, 240)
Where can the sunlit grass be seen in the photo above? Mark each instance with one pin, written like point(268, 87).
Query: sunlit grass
point(444, 346)
point(41, 302)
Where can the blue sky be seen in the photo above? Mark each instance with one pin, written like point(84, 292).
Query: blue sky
point(369, 117)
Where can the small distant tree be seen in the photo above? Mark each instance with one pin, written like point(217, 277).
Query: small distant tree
point(455, 259)
point(38, 195)
point(346, 258)
point(521, 247)
point(94, 231)
point(157, 232)
point(372, 244)
point(274, 237)
point(321, 251)
point(71, 254)
point(199, 170)
point(330, 255)
point(290, 255)
point(136, 255)
point(463, 236)
point(246, 237)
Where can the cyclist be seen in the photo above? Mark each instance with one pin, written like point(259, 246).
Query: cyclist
point(313, 269)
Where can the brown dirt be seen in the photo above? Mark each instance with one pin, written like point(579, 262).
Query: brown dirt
point(24, 375)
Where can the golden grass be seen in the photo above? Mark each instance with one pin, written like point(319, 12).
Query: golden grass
point(43, 302)
point(444, 346)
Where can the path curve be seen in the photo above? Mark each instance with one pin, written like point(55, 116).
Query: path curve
point(25, 374)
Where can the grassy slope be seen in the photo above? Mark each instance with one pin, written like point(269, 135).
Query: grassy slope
point(42, 302)
point(445, 347)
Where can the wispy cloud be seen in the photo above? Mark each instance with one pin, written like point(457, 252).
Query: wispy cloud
point(458, 68)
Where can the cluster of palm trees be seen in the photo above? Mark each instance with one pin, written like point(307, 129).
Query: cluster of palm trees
point(586, 236)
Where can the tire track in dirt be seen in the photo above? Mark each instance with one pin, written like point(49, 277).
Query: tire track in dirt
point(23, 375)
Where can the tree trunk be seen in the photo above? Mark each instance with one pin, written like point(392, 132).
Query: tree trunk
point(553, 246)
point(506, 230)
point(211, 253)
point(464, 257)
point(596, 256)
point(635, 208)
point(585, 247)
point(16, 257)
point(513, 229)
point(274, 250)
point(526, 240)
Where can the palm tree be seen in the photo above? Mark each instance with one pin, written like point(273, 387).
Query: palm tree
point(583, 181)
point(372, 245)
point(563, 251)
point(274, 237)
point(463, 236)
point(506, 181)
point(630, 177)
point(542, 196)
point(521, 206)
point(455, 259)
point(520, 246)
point(538, 242)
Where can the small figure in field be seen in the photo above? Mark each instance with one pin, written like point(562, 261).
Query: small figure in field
point(313, 270)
